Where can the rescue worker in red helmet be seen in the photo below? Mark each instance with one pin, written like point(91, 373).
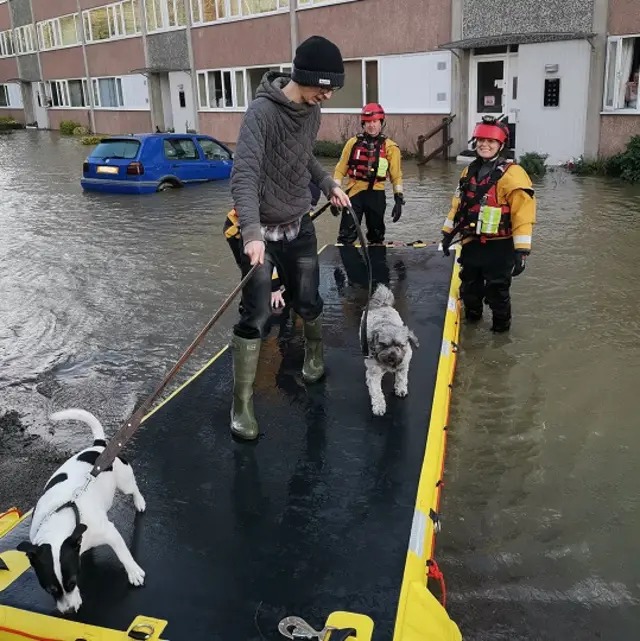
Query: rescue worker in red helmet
point(367, 159)
point(494, 210)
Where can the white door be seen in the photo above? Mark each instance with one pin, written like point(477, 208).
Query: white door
point(182, 106)
point(494, 89)
point(39, 105)
point(553, 94)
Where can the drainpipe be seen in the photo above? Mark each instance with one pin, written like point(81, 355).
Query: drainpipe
point(92, 114)
point(293, 25)
point(195, 95)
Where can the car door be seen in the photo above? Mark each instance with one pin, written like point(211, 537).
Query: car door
point(218, 159)
point(184, 159)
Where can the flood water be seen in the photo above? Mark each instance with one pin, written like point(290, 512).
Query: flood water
point(100, 294)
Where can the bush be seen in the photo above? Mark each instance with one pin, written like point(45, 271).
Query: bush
point(81, 131)
point(91, 140)
point(328, 148)
point(534, 163)
point(625, 165)
point(7, 120)
point(67, 127)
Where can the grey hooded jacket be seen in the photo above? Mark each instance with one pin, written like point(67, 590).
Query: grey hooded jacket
point(274, 163)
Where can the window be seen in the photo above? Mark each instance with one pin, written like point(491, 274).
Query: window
point(23, 39)
point(311, 3)
point(622, 74)
point(165, 14)
point(112, 21)
point(180, 149)
point(125, 149)
point(212, 150)
point(222, 89)
point(4, 96)
point(107, 92)
point(59, 32)
point(11, 95)
point(6, 43)
point(67, 93)
point(203, 11)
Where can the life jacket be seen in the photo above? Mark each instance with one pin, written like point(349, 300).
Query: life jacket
point(368, 160)
point(480, 214)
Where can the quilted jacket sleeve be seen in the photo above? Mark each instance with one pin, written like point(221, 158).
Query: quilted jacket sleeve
point(246, 178)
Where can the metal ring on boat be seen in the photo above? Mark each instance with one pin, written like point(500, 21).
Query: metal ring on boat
point(141, 632)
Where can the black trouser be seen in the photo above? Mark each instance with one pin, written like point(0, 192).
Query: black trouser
point(486, 275)
point(372, 203)
point(299, 271)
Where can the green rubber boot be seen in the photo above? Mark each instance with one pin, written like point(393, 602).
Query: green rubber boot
point(246, 353)
point(313, 368)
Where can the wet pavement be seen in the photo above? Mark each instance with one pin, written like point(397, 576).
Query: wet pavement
point(100, 294)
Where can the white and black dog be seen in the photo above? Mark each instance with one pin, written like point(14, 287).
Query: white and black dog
point(63, 528)
point(390, 344)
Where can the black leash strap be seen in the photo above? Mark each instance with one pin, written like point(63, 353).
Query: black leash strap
point(128, 429)
point(364, 343)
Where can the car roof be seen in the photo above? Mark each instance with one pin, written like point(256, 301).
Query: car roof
point(141, 137)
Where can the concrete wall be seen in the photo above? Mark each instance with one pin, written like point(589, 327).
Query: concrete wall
point(262, 41)
point(615, 132)
point(21, 12)
point(487, 18)
point(56, 116)
point(62, 64)
point(168, 50)
point(122, 122)
point(16, 114)
point(624, 17)
point(5, 17)
point(557, 131)
point(116, 58)
point(382, 27)
point(44, 9)
point(28, 66)
point(8, 69)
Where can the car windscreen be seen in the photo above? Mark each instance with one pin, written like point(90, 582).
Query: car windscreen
point(126, 149)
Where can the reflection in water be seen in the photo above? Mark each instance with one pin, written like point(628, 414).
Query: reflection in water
point(101, 294)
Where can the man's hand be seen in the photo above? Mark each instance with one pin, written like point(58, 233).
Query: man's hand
point(521, 262)
point(338, 198)
point(397, 208)
point(277, 300)
point(255, 250)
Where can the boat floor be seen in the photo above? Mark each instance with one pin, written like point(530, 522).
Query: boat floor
point(315, 517)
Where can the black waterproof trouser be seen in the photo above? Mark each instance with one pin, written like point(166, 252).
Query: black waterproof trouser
point(299, 271)
point(486, 276)
point(371, 204)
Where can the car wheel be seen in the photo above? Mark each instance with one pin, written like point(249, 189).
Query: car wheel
point(166, 184)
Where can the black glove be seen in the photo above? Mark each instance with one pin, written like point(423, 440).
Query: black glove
point(521, 262)
point(336, 211)
point(397, 208)
point(446, 243)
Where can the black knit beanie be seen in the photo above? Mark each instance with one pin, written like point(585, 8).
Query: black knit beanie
point(318, 63)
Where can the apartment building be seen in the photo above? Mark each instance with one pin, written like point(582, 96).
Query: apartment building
point(561, 70)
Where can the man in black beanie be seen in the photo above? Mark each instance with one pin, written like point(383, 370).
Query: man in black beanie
point(273, 166)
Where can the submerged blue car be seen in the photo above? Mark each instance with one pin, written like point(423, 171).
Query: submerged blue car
point(145, 163)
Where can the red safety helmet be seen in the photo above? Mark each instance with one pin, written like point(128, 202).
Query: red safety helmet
point(372, 111)
point(492, 128)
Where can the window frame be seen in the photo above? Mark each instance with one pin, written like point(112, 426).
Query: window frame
point(56, 27)
point(115, 17)
point(305, 5)
point(7, 36)
point(24, 35)
point(165, 14)
point(5, 89)
point(613, 110)
point(119, 94)
point(197, 17)
point(177, 159)
point(62, 89)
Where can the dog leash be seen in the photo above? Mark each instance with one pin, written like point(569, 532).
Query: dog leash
point(124, 434)
point(364, 343)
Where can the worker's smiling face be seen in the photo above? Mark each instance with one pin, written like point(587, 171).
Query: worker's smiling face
point(487, 148)
point(373, 127)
